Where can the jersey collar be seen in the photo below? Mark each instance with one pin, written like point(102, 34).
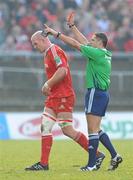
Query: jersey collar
point(45, 52)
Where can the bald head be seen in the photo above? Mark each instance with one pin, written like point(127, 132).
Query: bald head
point(36, 34)
point(39, 41)
point(39, 34)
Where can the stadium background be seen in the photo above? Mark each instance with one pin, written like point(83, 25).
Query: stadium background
point(21, 68)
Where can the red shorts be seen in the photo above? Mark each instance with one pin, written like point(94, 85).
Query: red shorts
point(64, 104)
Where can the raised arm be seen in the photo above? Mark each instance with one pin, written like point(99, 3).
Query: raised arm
point(66, 39)
point(78, 35)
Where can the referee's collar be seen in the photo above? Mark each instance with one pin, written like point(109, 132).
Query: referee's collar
point(45, 52)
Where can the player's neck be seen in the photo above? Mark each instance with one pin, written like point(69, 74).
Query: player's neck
point(45, 52)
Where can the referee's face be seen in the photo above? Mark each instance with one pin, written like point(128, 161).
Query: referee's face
point(95, 42)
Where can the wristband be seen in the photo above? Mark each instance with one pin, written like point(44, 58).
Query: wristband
point(58, 34)
point(46, 85)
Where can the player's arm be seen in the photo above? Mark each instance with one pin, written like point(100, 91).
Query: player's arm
point(61, 71)
point(58, 76)
point(66, 39)
point(78, 35)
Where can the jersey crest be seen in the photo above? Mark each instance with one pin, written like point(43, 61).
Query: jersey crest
point(58, 60)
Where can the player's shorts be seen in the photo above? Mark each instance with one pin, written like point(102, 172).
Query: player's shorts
point(96, 101)
point(64, 104)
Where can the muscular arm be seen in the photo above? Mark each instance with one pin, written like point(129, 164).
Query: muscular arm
point(70, 41)
point(55, 79)
point(66, 39)
point(79, 36)
point(58, 76)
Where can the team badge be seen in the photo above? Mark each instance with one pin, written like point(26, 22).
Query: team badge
point(58, 60)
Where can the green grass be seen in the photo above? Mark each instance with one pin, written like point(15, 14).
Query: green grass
point(65, 160)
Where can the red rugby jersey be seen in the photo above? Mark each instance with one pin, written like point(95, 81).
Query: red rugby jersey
point(63, 88)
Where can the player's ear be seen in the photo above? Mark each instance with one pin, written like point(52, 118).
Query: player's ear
point(101, 43)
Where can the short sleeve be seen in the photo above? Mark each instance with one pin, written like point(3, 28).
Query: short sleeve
point(60, 59)
point(90, 52)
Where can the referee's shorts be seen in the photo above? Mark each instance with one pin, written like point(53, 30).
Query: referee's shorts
point(96, 101)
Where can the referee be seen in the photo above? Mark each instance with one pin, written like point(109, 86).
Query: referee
point(98, 71)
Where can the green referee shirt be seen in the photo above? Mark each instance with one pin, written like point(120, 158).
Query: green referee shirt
point(98, 68)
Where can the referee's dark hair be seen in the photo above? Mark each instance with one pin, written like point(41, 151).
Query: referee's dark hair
point(103, 38)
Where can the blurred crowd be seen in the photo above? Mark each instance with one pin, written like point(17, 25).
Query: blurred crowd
point(19, 19)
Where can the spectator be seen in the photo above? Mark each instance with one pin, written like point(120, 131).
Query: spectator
point(23, 43)
point(29, 15)
point(9, 44)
